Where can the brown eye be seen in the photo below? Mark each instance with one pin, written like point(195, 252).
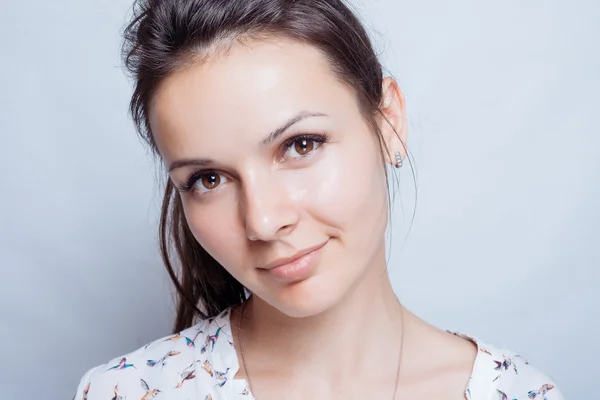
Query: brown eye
point(211, 181)
point(304, 146)
point(203, 182)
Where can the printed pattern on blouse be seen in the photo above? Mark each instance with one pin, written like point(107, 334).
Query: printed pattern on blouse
point(200, 363)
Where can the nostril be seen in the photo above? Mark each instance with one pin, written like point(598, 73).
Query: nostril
point(287, 229)
point(268, 230)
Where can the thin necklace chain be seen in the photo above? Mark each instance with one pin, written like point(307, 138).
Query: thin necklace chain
point(239, 338)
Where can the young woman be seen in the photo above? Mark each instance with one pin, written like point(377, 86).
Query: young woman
point(275, 125)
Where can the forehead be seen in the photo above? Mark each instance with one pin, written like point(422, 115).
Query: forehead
point(250, 90)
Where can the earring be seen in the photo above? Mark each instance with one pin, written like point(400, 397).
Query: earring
point(399, 161)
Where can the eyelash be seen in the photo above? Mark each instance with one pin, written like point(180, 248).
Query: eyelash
point(320, 138)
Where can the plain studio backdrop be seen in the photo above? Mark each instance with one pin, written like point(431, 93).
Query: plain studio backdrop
point(503, 117)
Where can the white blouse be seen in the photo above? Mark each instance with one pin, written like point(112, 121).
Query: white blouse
point(200, 363)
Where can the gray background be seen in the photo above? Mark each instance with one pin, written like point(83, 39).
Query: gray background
point(503, 107)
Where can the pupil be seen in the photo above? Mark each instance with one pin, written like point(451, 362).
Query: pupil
point(302, 146)
point(211, 181)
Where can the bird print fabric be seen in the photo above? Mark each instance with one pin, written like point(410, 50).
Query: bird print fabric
point(200, 363)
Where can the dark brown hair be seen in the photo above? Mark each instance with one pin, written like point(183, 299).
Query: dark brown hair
point(166, 35)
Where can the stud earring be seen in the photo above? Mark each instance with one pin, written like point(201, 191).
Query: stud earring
point(399, 161)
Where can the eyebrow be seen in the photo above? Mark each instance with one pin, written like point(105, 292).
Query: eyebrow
point(267, 140)
point(280, 131)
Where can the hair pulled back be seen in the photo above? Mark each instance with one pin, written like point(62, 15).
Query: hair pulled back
point(165, 36)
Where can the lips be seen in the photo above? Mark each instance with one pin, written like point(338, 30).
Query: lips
point(297, 268)
point(290, 260)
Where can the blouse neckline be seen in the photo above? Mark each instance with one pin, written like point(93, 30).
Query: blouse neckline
point(478, 386)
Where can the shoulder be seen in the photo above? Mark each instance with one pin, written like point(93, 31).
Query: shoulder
point(167, 366)
point(524, 381)
point(506, 375)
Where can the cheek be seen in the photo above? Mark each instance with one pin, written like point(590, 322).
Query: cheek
point(215, 227)
point(350, 190)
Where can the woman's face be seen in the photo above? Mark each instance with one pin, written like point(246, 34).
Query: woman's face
point(274, 161)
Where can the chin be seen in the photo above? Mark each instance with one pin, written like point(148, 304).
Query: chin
point(306, 298)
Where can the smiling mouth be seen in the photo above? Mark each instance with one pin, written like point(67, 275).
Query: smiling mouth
point(288, 260)
point(297, 266)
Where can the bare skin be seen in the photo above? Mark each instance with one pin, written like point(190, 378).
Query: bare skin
point(333, 332)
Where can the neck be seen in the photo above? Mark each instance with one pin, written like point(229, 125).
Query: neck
point(336, 341)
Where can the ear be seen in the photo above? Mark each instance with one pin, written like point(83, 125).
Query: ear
point(392, 121)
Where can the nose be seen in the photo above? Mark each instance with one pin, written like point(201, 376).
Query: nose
point(267, 208)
